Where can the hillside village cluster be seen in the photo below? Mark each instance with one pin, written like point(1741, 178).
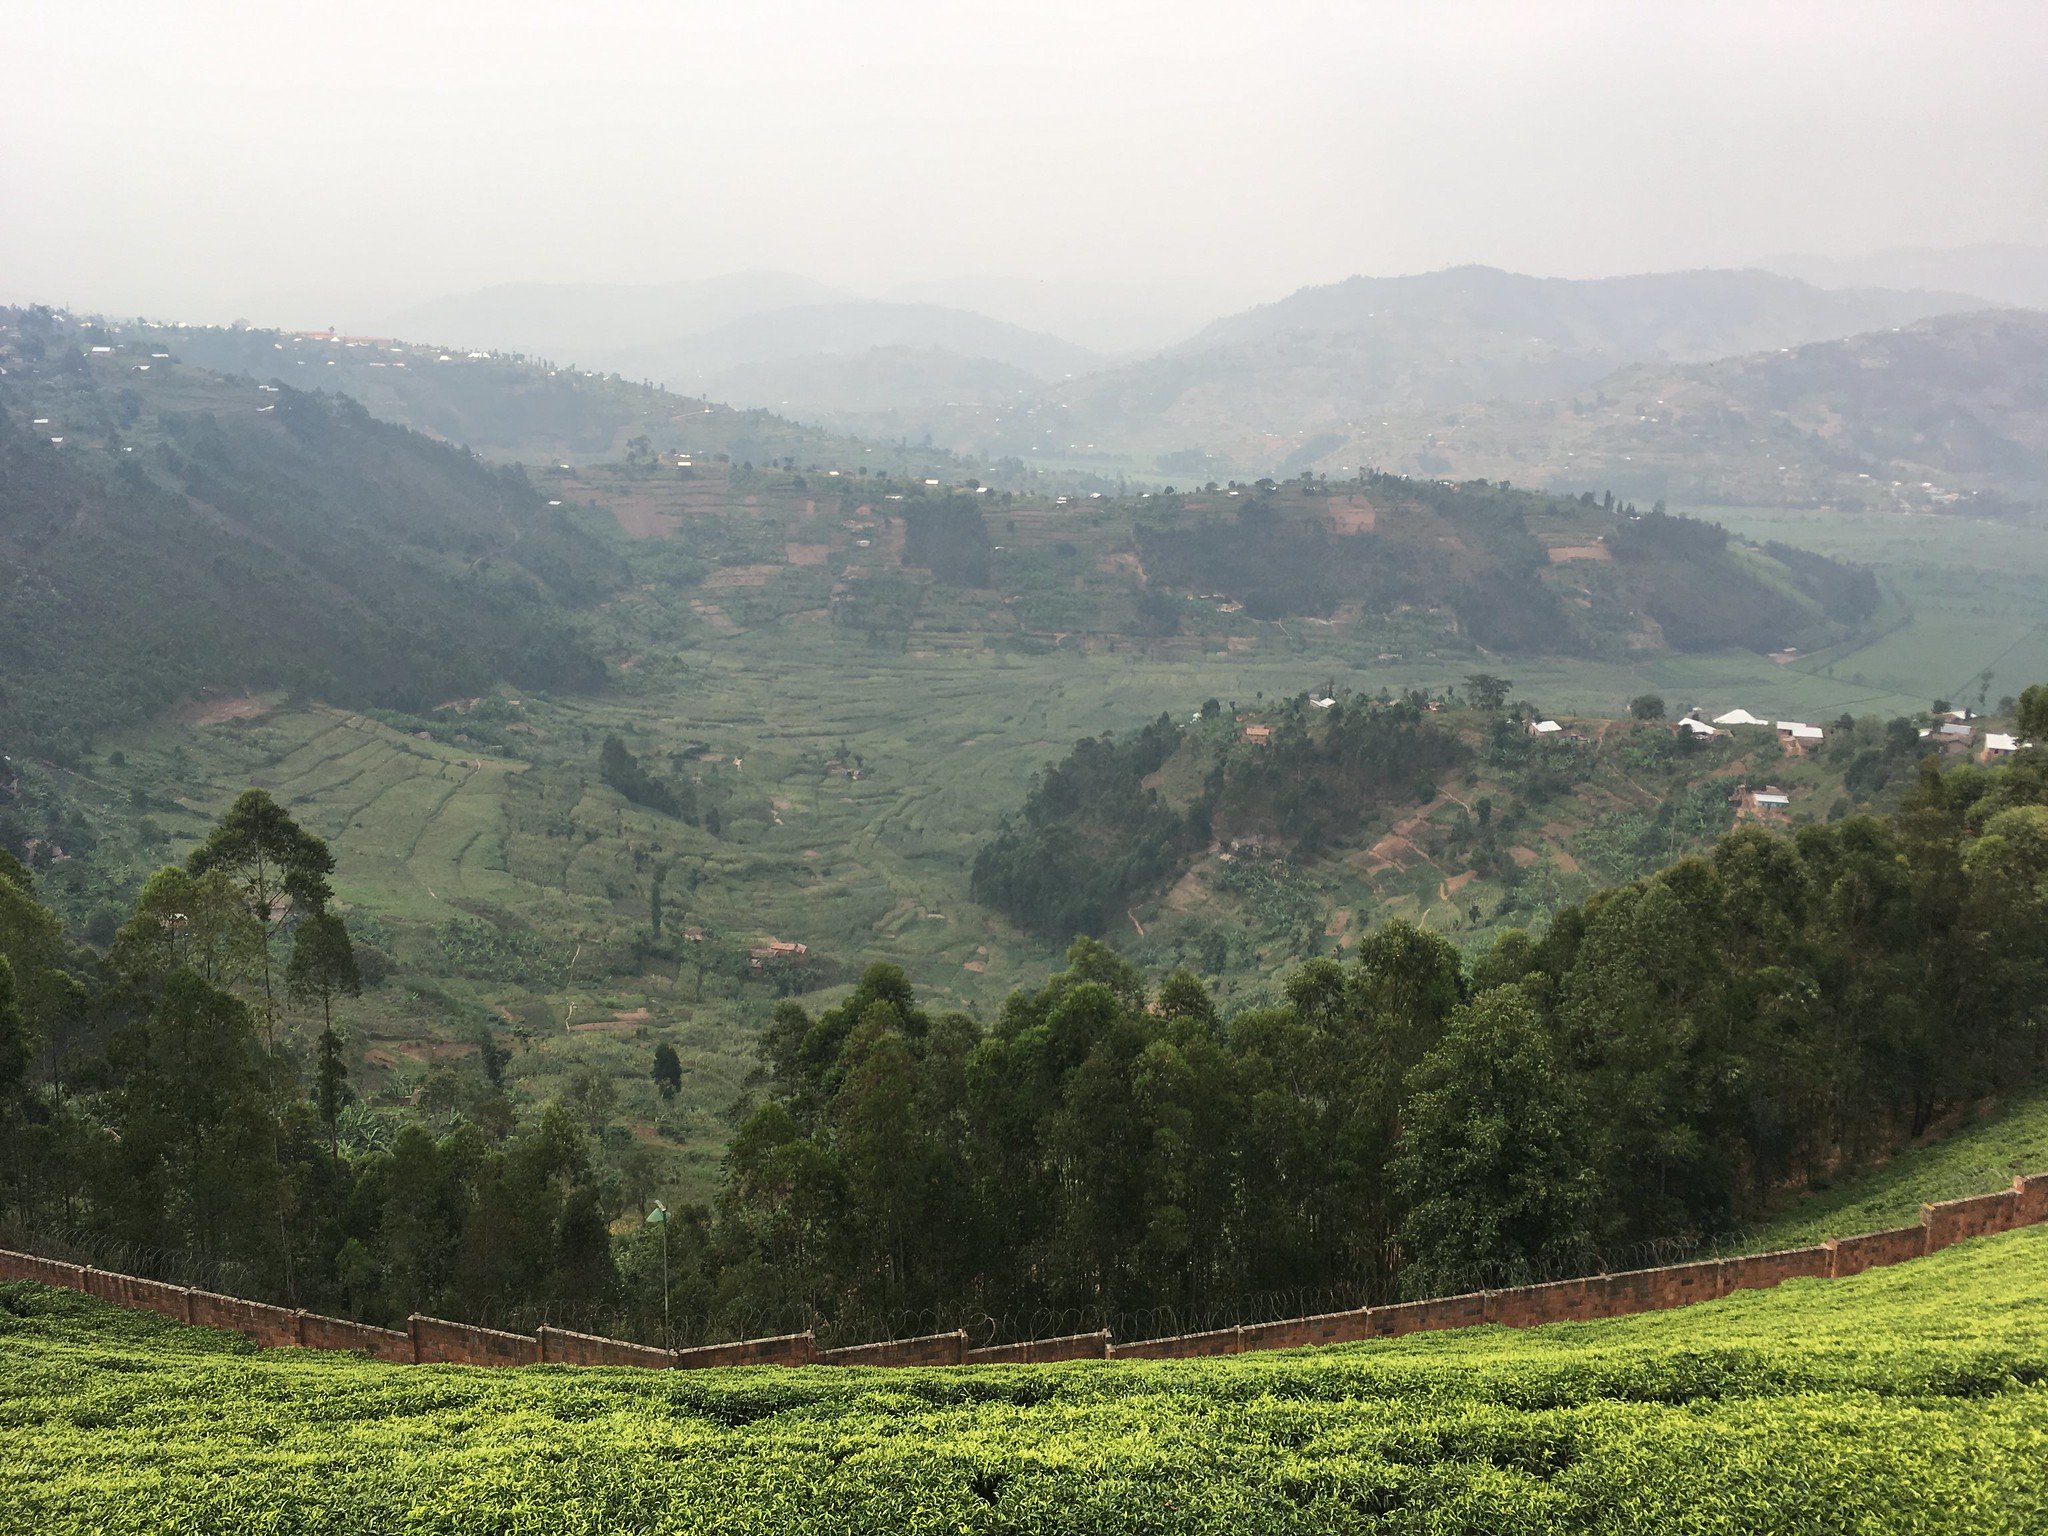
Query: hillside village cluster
point(1949, 730)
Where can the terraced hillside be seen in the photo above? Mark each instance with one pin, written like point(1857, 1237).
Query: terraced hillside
point(1905, 1398)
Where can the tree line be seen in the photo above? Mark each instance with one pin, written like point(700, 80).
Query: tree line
point(1655, 1064)
point(175, 1103)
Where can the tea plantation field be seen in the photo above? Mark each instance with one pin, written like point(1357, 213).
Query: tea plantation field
point(1906, 1399)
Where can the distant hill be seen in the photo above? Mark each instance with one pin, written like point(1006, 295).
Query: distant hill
point(584, 322)
point(168, 530)
point(1396, 567)
point(755, 340)
point(1683, 316)
point(1950, 412)
point(852, 326)
point(1252, 387)
point(513, 407)
point(1129, 316)
point(2015, 275)
point(883, 392)
point(1261, 831)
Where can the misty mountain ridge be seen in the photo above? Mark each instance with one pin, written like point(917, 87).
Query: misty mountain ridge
point(578, 321)
point(1252, 389)
point(1325, 356)
point(1947, 413)
point(2004, 274)
point(854, 325)
point(1683, 316)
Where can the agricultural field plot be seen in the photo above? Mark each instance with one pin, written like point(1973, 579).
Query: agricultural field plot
point(1977, 594)
point(1905, 1398)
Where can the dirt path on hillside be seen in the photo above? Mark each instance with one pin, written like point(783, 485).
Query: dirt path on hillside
point(218, 710)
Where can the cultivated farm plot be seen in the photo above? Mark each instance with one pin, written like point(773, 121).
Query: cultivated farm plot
point(415, 825)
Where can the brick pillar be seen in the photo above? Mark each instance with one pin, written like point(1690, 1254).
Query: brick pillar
point(412, 1328)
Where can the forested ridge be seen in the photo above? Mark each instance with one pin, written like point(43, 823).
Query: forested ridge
point(242, 537)
point(1652, 1067)
point(1470, 549)
point(1095, 832)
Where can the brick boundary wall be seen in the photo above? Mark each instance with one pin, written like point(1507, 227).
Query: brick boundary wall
point(558, 1346)
point(931, 1349)
point(433, 1340)
point(785, 1349)
point(317, 1332)
point(436, 1341)
point(1073, 1346)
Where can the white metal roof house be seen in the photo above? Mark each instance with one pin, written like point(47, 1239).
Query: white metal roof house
point(1739, 717)
point(1544, 727)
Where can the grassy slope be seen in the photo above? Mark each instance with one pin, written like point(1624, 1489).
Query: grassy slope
point(1976, 1157)
point(1909, 1399)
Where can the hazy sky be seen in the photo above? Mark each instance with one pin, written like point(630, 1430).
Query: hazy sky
point(208, 158)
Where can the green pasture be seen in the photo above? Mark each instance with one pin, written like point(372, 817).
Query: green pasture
point(1976, 596)
point(1908, 1399)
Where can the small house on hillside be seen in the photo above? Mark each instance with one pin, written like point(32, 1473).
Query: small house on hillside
point(1769, 803)
point(1544, 727)
point(1738, 717)
point(1697, 727)
point(1257, 735)
point(776, 951)
point(1997, 745)
point(1797, 737)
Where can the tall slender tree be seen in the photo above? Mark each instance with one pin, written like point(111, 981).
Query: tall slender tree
point(281, 870)
point(323, 967)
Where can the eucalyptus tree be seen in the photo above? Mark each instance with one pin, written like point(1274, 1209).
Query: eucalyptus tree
point(281, 872)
